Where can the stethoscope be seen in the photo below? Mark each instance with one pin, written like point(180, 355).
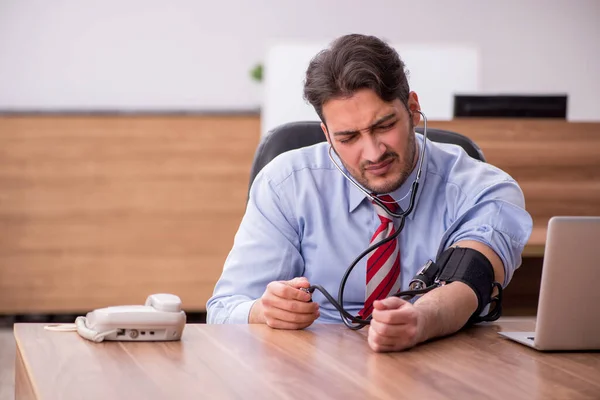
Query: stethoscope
point(354, 322)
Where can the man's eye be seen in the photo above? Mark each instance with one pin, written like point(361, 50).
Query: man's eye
point(386, 127)
point(347, 139)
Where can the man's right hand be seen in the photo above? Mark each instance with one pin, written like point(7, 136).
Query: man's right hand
point(284, 306)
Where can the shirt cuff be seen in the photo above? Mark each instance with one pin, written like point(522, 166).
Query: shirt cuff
point(241, 313)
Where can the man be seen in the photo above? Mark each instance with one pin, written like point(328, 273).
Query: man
point(305, 222)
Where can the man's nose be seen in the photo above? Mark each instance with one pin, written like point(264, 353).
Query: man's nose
point(373, 149)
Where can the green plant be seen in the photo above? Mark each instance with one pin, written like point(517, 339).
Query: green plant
point(257, 73)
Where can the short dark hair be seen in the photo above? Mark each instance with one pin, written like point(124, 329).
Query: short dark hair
point(355, 62)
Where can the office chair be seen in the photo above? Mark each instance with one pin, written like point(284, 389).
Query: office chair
point(295, 135)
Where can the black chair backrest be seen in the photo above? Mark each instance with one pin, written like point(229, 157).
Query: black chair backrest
point(295, 135)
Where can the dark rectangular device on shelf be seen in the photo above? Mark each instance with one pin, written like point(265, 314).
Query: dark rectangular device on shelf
point(510, 106)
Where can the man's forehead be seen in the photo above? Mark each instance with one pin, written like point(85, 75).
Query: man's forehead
point(358, 111)
point(346, 121)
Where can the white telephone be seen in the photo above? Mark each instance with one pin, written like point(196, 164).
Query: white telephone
point(160, 319)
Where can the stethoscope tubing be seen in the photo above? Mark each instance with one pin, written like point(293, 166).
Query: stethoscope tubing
point(357, 322)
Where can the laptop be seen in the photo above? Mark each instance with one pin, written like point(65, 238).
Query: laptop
point(568, 315)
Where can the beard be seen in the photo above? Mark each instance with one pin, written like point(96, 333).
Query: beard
point(396, 178)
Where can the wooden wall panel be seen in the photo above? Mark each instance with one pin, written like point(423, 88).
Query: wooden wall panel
point(557, 163)
point(98, 211)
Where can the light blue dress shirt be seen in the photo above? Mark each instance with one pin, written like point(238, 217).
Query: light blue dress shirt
point(304, 218)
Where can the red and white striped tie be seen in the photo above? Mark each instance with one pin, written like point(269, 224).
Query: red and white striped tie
point(383, 263)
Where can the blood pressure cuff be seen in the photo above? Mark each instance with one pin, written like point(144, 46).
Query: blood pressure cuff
point(472, 268)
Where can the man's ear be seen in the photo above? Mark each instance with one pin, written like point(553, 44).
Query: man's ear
point(324, 128)
point(414, 106)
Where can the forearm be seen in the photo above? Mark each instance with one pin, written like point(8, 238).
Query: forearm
point(445, 310)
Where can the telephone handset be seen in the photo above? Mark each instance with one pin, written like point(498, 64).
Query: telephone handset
point(159, 319)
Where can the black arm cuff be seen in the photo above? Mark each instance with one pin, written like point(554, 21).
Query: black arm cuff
point(472, 268)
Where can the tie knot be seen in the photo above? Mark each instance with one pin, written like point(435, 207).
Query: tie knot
point(389, 202)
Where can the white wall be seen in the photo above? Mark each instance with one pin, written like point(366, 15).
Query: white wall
point(184, 54)
point(437, 74)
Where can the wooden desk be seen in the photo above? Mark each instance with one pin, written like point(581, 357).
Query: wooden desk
point(322, 362)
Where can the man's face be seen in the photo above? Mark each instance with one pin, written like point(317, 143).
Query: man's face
point(374, 139)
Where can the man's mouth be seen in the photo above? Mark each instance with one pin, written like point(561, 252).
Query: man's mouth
point(380, 168)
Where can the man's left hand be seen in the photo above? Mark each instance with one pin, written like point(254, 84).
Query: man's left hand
point(396, 325)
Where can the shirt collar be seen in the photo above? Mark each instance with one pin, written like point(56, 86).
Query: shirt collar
point(402, 194)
